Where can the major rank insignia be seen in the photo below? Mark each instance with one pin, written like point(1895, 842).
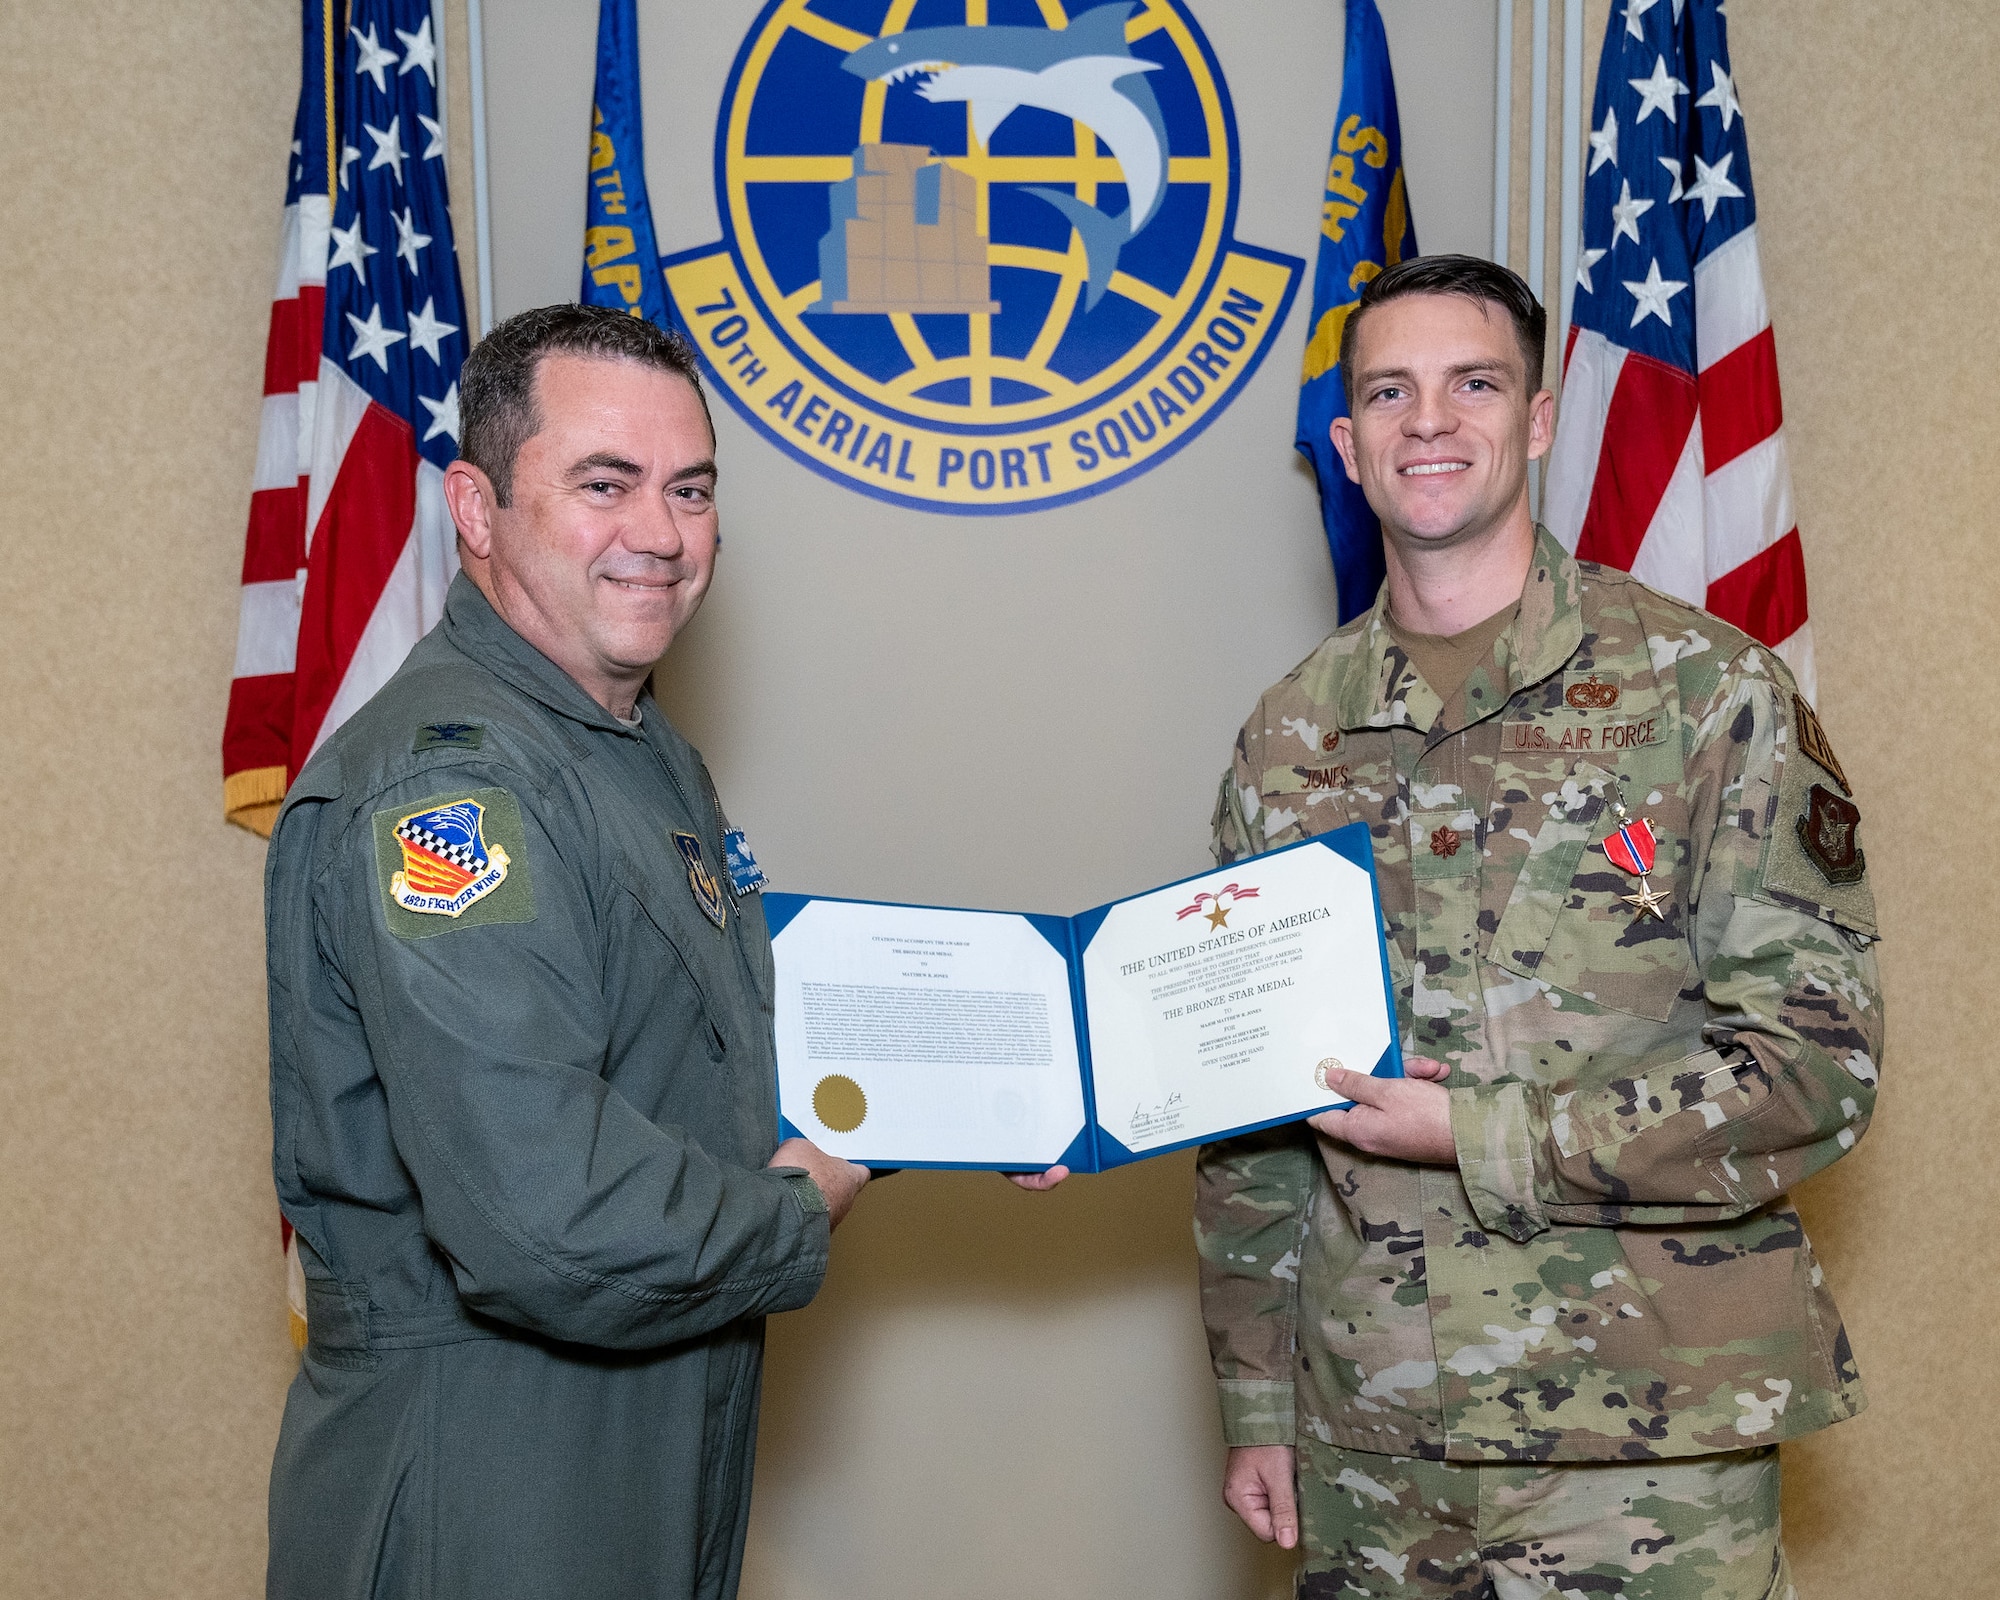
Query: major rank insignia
point(448, 866)
point(1632, 848)
point(707, 892)
point(1830, 830)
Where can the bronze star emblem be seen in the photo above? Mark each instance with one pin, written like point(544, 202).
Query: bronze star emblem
point(1648, 902)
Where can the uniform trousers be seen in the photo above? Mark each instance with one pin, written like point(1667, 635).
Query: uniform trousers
point(1694, 1528)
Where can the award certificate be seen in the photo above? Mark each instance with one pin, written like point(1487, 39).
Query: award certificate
point(926, 1036)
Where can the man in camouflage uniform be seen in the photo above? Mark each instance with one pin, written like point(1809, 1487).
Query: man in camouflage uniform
point(1533, 1319)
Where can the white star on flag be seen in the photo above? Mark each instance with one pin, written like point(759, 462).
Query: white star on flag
point(1625, 214)
point(1589, 259)
point(1673, 167)
point(427, 331)
point(1657, 92)
point(348, 156)
point(419, 50)
point(373, 57)
point(389, 151)
point(1711, 185)
point(436, 131)
point(1635, 9)
point(350, 250)
point(1653, 295)
point(1604, 141)
point(408, 240)
point(1722, 95)
point(372, 339)
point(444, 414)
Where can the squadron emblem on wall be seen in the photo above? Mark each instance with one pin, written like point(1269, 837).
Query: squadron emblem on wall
point(978, 257)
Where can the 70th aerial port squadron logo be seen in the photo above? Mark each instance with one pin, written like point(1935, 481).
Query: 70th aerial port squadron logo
point(978, 253)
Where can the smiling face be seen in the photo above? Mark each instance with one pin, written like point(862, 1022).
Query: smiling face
point(1446, 419)
point(609, 544)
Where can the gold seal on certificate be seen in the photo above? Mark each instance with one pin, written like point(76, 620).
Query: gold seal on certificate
point(839, 1103)
point(1330, 1064)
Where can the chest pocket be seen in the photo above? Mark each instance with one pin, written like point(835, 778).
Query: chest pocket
point(662, 904)
point(1564, 922)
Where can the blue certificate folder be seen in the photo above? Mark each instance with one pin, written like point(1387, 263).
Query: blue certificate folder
point(1196, 1011)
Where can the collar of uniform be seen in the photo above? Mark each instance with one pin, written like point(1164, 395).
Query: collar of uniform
point(1385, 691)
point(476, 629)
point(1549, 630)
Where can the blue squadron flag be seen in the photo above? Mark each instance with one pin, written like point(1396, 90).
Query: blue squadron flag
point(621, 261)
point(1364, 226)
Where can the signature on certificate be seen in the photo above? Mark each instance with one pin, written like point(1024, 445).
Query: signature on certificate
point(1157, 1121)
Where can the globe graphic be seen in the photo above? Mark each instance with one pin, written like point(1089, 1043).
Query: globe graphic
point(795, 120)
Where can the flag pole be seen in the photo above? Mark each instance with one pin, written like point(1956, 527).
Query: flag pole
point(1503, 130)
point(482, 224)
point(1572, 167)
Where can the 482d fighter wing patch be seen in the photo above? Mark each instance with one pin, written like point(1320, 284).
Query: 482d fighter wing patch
point(455, 861)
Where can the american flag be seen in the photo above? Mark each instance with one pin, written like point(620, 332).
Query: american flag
point(1669, 459)
point(350, 547)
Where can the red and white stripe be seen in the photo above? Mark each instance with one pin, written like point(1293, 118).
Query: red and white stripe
point(349, 549)
point(257, 736)
point(380, 553)
point(1684, 481)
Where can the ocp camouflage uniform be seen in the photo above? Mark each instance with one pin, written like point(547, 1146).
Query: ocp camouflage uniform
point(1611, 1273)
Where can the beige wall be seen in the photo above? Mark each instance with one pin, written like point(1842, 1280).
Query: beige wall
point(995, 1391)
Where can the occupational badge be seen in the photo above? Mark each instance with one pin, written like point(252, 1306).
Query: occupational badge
point(707, 892)
point(1593, 694)
point(448, 866)
point(745, 876)
point(1830, 830)
point(1631, 849)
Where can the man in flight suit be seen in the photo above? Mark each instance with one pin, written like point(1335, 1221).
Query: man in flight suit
point(1533, 1319)
point(522, 1076)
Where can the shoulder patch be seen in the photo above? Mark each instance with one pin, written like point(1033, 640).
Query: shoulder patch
point(449, 736)
point(1814, 742)
point(1812, 852)
point(457, 860)
point(1830, 829)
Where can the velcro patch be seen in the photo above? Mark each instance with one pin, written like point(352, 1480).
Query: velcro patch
point(1591, 691)
point(449, 736)
point(457, 860)
point(1814, 742)
point(1599, 736)
point(1830, 830)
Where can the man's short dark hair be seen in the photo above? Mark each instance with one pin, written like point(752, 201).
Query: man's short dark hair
point(496, 388)
point(1471, 276)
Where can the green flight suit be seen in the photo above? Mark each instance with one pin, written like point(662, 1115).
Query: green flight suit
point(1611, 1271)
point(522, 1093)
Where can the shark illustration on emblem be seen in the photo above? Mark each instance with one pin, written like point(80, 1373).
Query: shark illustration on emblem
point(1085, 72)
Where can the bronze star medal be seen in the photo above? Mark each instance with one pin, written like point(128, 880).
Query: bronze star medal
point(1632, 848)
